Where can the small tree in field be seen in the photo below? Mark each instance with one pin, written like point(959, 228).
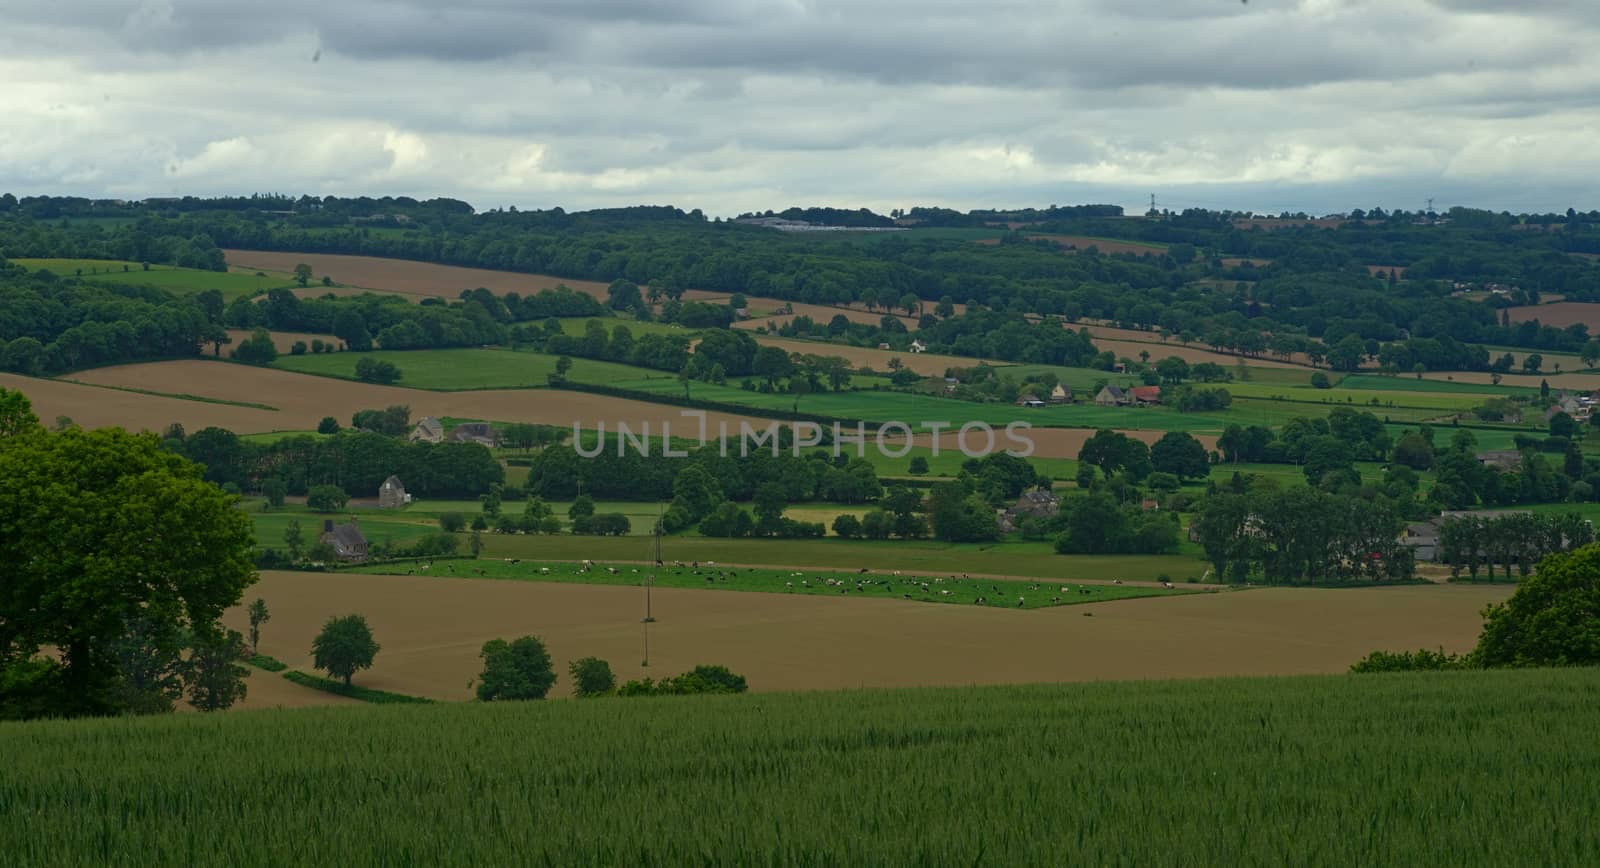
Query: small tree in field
point(258, 615)
point(216, 679)
point(519, 669)
point(294, 539)
point(302, 274)
point(591, 676)
point(452, 522)
point(274, 490)
point(344, 646)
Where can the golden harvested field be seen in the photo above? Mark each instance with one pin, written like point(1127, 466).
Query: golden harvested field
point(404, 277)
point(94, 407)
point(820, 313)
point(1079, 243)
point(301, 400)
point(1191, 354)
point(432, 629)
point(284, 341)
point(926, 364)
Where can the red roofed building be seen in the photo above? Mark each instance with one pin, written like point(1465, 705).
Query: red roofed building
point(1146, 394)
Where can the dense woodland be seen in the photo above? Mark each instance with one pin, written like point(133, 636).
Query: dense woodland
point(1315, 294)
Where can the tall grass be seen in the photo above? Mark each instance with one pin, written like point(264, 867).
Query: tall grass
point(1467, 768)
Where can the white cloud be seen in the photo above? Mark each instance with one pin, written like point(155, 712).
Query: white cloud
point(728, 106)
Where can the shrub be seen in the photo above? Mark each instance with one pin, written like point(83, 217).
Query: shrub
point(591, 677)
point(1319, 380)
point(452, 522)
point(374, 371)
point(701, 679)
point(1409, 661)
point(847, 526)
point(262, 661)
point(515, 670)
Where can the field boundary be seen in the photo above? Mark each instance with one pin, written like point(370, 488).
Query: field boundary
point(365, 694)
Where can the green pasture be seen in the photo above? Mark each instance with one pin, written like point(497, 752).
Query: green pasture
point(1479, 392)
point(1031, 559)
point(578, 326)
point(835, 583)
point(464, 369)
point(182, 280)
point(1478, 768)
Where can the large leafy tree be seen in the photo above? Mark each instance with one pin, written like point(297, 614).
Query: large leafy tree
point(1178, 453)
point(98, 530)
point(1553, 619)
point(344, 646)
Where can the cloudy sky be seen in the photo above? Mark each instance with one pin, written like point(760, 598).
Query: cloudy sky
point(731, 105)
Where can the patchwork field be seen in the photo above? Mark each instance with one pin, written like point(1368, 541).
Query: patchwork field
point(233, 283)
point(431, 630)
point(926, 364)
point(300, 401)
point(463, 369)
point(404, 277)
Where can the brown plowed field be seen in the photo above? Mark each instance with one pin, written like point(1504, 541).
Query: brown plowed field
point(1080, 243)
point(301, 400)
point(1561, 314)
point(405, 277)
point(93, 407)
point(432, 629)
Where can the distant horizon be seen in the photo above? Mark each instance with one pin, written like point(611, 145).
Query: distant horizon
point(1138, 209)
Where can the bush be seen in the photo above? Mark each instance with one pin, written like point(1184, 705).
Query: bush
point(365, 694)
point(326, 498)
point(604, 524)
point(919, 466)
point(371, 370)
point(591, 677)
point(847, 526)
point(328, 425)
point(299, 348)
point(452, 522)
point(1409, 661)
point(1319, 380)
point(701, 679)
point(262, 661)
point(515, 670)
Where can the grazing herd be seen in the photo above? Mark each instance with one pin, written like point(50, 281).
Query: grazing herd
point(961, 588)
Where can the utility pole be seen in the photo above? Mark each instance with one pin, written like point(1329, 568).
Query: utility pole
point(649, 581)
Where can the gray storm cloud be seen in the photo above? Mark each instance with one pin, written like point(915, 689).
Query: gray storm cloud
point(1316, 104)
